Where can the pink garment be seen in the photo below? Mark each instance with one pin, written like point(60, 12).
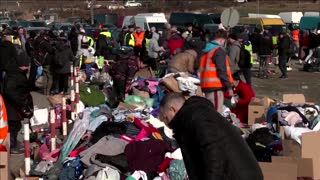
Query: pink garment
point(76, 152)
point(126, 138)
point(45, 153)
point(152, 86)
point(293, 118)
point(142, 134)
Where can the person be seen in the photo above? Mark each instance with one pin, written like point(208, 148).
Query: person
point(62, 64)
point(138, 39)
point(295, 38)
point(188, 33)
point(15, 87)
point(89, 68)
point(283, 51)
point(122, 35)
point(73, 39)
point(128, 37)
point(22, 37)
point(44, 55)
point(145, 45)
point(196, 42)
point(234, 52)
point(244, 94)
point(212, 148)
point(104, 43)
point(30, 49)
point(175, 43)
point(215, 72)
point(166, 35)
point(264, 52)
point(304, 44)
point(154, 50)
point(3, 121)
point(313, 43)
point(83, 46)
point(183, 62)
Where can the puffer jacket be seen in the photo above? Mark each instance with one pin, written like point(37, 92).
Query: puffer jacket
point(174, 43)
point(183, 62)
point(154, 47)
point(64, 57)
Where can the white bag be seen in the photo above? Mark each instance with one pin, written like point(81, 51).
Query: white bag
point(108, 173)
point(40, 118)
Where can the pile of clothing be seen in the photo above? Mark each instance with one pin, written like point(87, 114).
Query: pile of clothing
point(118, 143)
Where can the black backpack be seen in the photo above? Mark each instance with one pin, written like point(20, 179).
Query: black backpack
point(245, 58)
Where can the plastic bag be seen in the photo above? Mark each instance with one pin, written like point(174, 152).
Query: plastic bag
point(138, 101)
point(108, 173)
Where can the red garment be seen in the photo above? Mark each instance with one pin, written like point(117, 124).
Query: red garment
point(174, 43)
point(164, 165)
point(304, 41)
point(245, 93)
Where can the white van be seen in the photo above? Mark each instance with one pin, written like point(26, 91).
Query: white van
point(127, 21)
point(291, 17)
point(152, 14)
point(147, 22)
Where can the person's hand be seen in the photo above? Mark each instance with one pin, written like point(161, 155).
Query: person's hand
point(229, 93)
point(23, 68)
point(163, 62)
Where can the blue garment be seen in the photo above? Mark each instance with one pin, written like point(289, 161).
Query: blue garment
point(157, 97)
point(210, 45)
point(72, 169)
point(271, 111)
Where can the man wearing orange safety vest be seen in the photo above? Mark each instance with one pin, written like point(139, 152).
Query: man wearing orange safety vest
point(138, 38)
point(295, 38)
point(3, 121)
point(215, 72)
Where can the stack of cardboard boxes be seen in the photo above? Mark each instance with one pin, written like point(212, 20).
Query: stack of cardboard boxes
point(297, 160)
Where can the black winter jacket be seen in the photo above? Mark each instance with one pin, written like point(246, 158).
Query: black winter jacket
point(212, 148)
point(264, 45)
point(284, 46)
point(15, 85)
point(63, 58)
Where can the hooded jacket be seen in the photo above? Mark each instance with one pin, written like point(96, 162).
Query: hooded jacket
point(212, 148)
point(64, 57)
point(154, 47)
point(219, 58)
point(234, 54)
point(183, 62)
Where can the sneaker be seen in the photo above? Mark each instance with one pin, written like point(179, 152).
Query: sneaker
point(16, 150)
point(289, 68)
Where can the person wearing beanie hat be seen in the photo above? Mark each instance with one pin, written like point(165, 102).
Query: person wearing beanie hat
point(104, 42)
point(129, 38)
point(234, 52)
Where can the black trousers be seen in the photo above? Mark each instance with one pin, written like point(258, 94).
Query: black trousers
point(60, 82)
point(246, 73)
point(283, 64)
point(152, 62)
point(32, 75)
point(14, 128)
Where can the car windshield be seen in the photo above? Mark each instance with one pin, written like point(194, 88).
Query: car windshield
point(37, 24)
point(23, 23)
point(276, 28)
point(203, 19)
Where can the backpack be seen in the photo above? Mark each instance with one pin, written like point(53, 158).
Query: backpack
point(245, 58)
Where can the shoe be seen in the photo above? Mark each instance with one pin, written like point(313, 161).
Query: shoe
point(16, 150)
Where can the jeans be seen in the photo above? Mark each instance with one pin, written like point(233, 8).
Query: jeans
point(263, 65)
point(283, 64)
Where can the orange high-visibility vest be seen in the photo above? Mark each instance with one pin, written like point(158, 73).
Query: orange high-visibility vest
point(295, 35)
point(138, 38)
point(3, 121)
point(209, 77)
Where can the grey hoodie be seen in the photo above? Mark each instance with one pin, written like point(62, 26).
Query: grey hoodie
point(234, 55)
point(154, 47)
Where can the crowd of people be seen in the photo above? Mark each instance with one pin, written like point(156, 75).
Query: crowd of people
point(217, 59)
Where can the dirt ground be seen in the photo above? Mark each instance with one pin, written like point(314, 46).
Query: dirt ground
point(298, 82)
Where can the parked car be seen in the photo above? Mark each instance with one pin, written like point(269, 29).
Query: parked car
point(132, 4)
point(37, 30)
point(9, 23)
point(115, 6)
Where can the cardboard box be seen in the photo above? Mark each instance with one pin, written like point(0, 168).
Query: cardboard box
point(311, 149)
point(279, 170)
point(257, 110)
point(4, 160)
point(294, 98)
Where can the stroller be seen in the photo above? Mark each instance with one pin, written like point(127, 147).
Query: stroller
point(313, 63)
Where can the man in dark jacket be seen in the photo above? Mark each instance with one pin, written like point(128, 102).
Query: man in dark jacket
point(264, 53)
point(212, 148)
point(15, 89)
point(62, 64)
point(283, 51)
point(73, 38)
point(34, 64)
